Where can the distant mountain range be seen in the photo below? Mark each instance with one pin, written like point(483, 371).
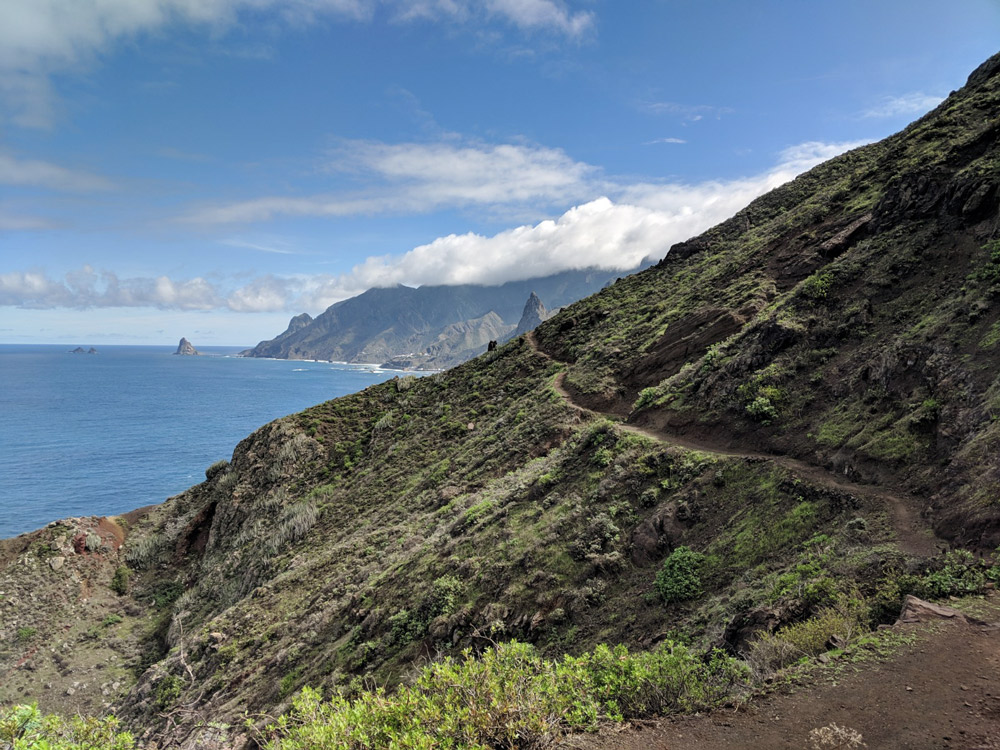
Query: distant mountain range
point(429, 327)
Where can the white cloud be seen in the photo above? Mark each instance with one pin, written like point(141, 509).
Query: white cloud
point(41, 174)
point(532, 14)
point(277, 248)
point(264, 294)
point(86, 288)
point(528, 15)
point(41, 37)
point(664, 140)
point(916, 103)
point(642, 220)
point(417, 177)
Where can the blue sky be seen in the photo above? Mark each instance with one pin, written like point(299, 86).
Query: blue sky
point(207, 168)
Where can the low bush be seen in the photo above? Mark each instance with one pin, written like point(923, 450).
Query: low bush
point(956, 573)
point(509, 698)
point(25, 728)
point(121, 579)
point(844, 621)
point(680, 577)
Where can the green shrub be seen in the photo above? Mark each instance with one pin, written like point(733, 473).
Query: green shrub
point(762, 410)
point(680, 577)
point(168, 690)
point(845, 620)
point(446, 592)
point(817, 286)
point(509, 698)
point(26, 634)
point(25, 728)
point(121, 579)
point(288, 682)
point(647, 397)
point(957, 573)
point(989, 272)
point(603, 457)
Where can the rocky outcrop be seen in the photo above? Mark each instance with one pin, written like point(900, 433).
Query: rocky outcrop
point(533, 315)
point(186, 348)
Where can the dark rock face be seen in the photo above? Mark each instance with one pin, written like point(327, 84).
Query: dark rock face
point(186, 348)
point(534, 315)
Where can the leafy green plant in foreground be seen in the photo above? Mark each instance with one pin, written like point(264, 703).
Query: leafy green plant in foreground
point(510, 697)
point(25, 728)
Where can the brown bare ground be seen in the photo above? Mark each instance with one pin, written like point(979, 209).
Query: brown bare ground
point(940, 692)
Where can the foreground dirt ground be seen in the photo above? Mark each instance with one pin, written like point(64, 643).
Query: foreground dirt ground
point(940, 691)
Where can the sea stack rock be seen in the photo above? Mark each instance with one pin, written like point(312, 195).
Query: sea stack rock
point(186, 348)
point(533, 315)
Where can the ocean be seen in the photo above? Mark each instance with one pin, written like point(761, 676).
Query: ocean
point(101, 434)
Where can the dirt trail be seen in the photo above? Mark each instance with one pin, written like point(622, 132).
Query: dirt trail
point(940, 692)
point(914, 536)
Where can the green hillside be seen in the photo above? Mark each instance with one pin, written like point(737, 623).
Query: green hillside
point(759, 445)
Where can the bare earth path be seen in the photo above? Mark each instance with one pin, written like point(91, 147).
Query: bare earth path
point(941, 692)
point(914, 537)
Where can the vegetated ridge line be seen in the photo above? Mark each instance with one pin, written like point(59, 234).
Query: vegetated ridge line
point(912, 535)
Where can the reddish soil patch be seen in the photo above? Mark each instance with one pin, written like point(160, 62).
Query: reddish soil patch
point(941, 692)
point(110, 532)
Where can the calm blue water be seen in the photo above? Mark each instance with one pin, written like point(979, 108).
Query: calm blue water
point(102, 434)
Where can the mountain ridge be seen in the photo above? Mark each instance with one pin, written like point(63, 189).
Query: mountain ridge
point(414, 325)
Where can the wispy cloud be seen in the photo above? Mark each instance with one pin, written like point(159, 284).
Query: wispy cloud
point(547, 14)
point(916, 103)
point(39, 38)
point(640, 221)
point(529, 15)
point(42, 174)
point(273, 247)
point(689, 112)
point(664, 140)
point(419, 177)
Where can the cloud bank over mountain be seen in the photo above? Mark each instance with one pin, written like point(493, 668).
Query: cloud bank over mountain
point(642, 221)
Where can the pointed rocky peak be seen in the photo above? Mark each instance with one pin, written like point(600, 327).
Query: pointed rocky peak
point(186, 348)
point(533, 315)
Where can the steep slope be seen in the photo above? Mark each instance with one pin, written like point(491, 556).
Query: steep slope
point(849, 318)
point(801, 384)
point(416, 324)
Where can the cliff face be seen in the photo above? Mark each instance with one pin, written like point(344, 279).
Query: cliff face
point(426, 327)
point(806, 396)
